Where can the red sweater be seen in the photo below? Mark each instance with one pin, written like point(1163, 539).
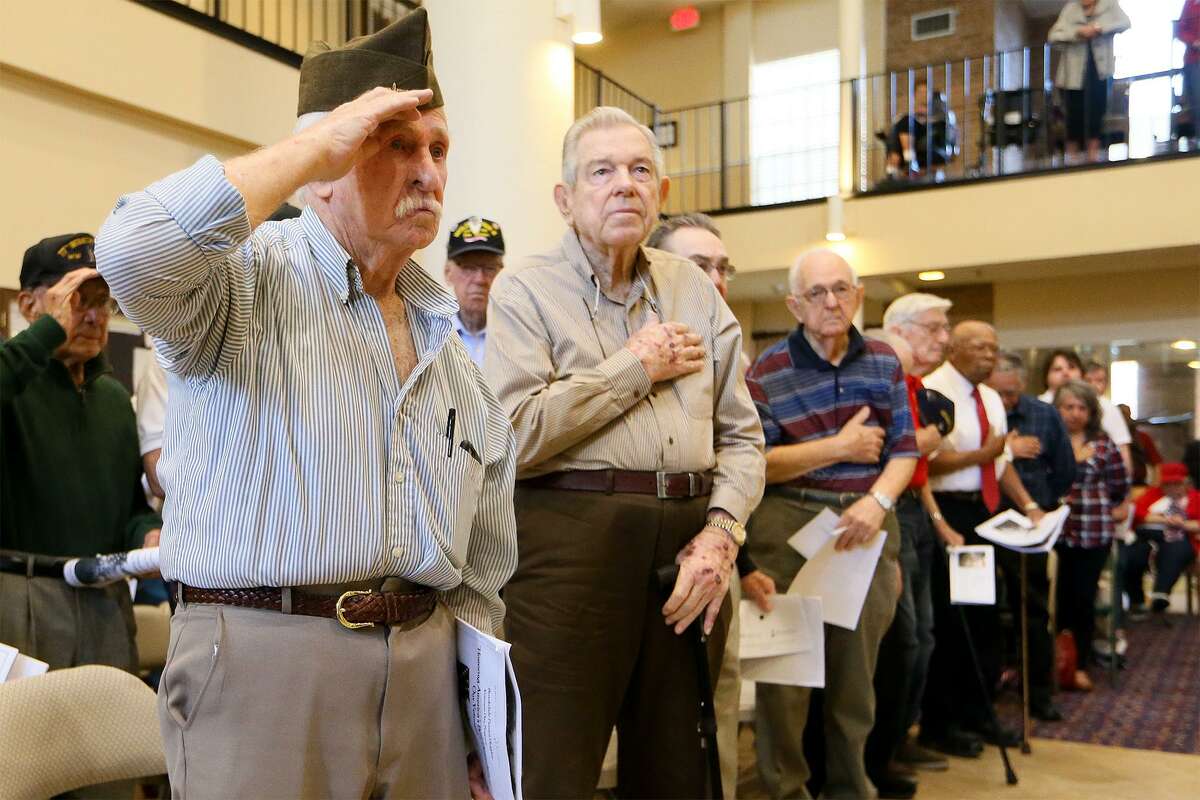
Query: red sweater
point(1153, 495)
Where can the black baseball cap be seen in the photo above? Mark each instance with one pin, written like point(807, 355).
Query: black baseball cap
point(48, 260)
point(475, 233)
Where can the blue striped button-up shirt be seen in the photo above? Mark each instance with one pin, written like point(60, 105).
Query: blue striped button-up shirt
point(293, 455)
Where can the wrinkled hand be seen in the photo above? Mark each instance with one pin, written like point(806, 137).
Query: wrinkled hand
point(62, 299)
point(862, 521)
point(348, 135)
point(1024, 446)
point(705, 565)
point(928, 439)
point(1090, 31)
point(667, 350)
point(475, 779)
point(151, 538)
point(759, 586)
point(949, 536)
point(861, 444)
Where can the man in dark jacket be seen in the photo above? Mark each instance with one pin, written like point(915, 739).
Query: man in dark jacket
point(70, 484)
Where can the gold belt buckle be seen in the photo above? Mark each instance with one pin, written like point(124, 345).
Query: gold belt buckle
point(341, 616)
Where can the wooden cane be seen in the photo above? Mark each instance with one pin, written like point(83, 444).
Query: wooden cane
point(1026, 724)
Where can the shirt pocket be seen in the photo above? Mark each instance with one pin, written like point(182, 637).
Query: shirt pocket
point(467, 487)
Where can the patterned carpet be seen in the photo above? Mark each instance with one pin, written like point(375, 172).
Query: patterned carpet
point(1155, 704)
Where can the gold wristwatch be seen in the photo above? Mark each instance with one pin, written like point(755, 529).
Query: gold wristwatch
point(735, 529)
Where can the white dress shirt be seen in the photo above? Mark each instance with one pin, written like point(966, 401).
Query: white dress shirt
point(965, 436)
point(1111, 418)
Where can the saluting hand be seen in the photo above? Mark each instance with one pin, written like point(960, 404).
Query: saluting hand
point(61, 300)
point(347, 135)
point(667, 350)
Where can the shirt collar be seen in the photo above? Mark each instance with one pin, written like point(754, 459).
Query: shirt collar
point(963, 385)
point(805, 357)
point(413, 283)
point(461, 329)
point(573, 249)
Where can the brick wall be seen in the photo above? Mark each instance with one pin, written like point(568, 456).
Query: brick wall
point(974, 34)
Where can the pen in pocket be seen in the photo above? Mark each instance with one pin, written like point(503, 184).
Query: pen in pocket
point(450, 418)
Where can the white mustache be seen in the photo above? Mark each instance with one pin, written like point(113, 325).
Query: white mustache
point(411, 204)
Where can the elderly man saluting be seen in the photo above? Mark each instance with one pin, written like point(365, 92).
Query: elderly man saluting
point(338, 475)
point(638, 448)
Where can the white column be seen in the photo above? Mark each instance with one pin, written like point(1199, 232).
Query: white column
point(852, 46)
point(507, 73)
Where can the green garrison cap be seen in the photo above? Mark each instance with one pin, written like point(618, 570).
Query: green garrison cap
point(398, 56)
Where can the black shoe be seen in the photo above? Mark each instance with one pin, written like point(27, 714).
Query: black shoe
point(999, 735)
point(918, 757)
point(1046, 712)
point(954, 743)
point(895, 786)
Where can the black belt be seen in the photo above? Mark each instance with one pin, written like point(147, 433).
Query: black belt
point(961, 497)
point(664, 485)
point(32, 566)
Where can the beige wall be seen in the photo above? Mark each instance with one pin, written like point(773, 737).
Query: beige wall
point(1119, 209)
point(100, 97)
point(666, 68)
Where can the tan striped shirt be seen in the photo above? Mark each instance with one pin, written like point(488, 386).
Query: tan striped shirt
point(579, 400)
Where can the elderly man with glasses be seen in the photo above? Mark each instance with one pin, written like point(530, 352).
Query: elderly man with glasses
point(839, 431)
point(70, 481)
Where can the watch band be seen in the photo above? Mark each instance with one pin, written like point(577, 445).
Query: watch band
point(735, 529)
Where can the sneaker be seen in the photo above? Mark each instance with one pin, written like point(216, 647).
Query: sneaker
point(918, 757)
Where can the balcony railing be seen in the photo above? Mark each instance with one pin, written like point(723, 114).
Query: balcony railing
point(283, 29)
point(997, 115)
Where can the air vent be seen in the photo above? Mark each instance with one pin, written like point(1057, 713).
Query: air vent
point(933, 24)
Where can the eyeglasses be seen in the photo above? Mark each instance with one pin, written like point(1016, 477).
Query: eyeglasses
point(933, 328)
point(98, 302)
point(720, 266)
point(841, 292)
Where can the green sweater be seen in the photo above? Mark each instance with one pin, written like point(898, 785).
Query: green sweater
point(70, 468)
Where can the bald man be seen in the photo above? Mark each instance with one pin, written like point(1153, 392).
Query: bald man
point(967, 475)
point(839, 432)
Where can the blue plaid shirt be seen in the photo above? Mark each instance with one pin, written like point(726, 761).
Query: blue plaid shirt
point(1047, 477)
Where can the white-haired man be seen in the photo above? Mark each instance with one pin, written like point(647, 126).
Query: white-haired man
point(638, 450)
point(921, 320)
point(836, 419)
point(339, 474)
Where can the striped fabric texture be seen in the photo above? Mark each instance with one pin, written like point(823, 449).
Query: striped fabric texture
point(579, 400)
point(802, 398)
point(292, 454)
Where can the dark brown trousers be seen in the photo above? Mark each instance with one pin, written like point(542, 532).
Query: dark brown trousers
point(592, 650)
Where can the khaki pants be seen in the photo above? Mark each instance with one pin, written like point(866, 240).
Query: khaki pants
point(68, 627)
point(262, 704)
point(728, 698)
point(591, 648)
point(849, 709)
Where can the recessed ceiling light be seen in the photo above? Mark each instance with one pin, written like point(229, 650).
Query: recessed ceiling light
point(931, 275)
point(1183, 344)
point(1194, 364)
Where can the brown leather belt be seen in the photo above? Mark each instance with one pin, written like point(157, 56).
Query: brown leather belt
point(353, 609)
point(663, 485)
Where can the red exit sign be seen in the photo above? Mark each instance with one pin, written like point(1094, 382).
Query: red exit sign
point(685, 18)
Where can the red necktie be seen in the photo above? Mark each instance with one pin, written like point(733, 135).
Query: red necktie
point(987, 472)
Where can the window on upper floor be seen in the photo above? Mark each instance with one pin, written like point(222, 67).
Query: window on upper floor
point(1148, 47)
point(794, 104)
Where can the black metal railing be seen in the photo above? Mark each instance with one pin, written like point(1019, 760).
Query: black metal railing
point(995, 115)
point(1003, 114)
point(283, 29)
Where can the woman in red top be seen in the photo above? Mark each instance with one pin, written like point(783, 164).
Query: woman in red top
point(1167, 519)
point(1101, 483)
